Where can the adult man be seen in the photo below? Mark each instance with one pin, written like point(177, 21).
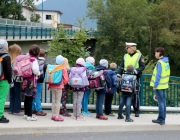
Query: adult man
point(136, 59)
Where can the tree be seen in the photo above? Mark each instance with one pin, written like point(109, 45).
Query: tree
point(71, 47)
point(13, 8)
point(118, 22)
point(35, 17)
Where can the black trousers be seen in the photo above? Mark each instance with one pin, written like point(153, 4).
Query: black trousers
point(28, 105)
point(108, 103)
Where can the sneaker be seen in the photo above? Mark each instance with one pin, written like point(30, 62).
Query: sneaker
point(129, 120)
point(33, 118)
point(111, 114)
point(66, 114)
point(97, 116)
point(103, 117)
point(25, 117)
point(58, 118)
point(158, 122)
point(84, 113)
point(4, 120)
point(80, 118)
point(61, 112)
point(52, 118)
point(89, 114)
point(136, 115)
point(41, 113)
point(120, 117)
point(34, 111)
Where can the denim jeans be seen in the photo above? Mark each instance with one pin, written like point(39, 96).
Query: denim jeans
point(85, 100)
point(36, 104)
point(161, 98)
point(99, 103)
point(126, 99)
point(15, 99)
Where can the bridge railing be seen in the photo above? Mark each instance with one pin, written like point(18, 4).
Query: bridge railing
point(146, 93)
point(12, 32)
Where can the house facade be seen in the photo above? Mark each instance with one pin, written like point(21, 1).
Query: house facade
point(52, 17)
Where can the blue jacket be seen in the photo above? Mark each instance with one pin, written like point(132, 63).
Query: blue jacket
point(107, 75)
point(113, 80)
point(159, 71)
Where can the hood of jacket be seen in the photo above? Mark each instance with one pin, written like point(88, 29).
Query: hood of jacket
point(89, 66)
point(164, 59)
point(98, 68)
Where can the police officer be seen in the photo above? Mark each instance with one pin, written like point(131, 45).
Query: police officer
point(136, 59)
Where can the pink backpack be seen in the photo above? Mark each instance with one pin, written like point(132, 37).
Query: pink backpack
point(23, 66)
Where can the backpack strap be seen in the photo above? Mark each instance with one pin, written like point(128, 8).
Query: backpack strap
point(3, 56)
point(59, 67)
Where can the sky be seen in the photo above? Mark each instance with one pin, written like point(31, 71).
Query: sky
point(39, 1)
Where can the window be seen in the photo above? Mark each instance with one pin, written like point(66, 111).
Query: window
point(48, 17)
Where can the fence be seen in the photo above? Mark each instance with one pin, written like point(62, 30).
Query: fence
point(146, 93)
point(27, 32)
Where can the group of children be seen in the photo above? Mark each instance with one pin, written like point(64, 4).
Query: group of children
point(31, 86)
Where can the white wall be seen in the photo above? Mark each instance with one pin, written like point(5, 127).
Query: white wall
point(26, 13)
point(57, 16)
point(75, 27)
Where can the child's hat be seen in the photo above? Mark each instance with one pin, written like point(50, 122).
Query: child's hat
point(103, 62)
point(59, 59)
point(80, 61)
point(3, 46)
point(90, 60)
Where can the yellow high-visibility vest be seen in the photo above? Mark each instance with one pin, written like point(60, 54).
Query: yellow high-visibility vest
point(165, 74)
point(131, 60)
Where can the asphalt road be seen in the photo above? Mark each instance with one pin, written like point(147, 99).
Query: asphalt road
point(155, 135)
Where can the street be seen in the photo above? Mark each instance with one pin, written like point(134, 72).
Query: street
point(147, 135)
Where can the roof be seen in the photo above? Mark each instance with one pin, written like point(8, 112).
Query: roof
point(29, 8)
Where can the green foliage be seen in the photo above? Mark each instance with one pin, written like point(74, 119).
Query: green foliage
point(71, 47)
point(12, 9)
point(149, 23)
point(35, 18)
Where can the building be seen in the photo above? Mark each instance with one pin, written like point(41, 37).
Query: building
point(47, 16)
point(69, 26)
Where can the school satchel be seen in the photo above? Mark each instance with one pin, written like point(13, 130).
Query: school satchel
point(1, 66)
point(97, 80)
point(54, 74)
point(128, 83)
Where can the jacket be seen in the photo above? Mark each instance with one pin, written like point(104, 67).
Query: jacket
point(113, 80)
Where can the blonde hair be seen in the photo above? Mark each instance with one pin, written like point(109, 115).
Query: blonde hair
point(113, 65)
point(14, 51)
point(134, 48)
point(66, 64)
point(42, 53)
point(138, 51)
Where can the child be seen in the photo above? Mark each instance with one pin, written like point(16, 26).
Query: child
point(15, 100)
point(90, 66)
point(57, 91)
point(110, 94)
point(64, 111)
point(101, 92)
point(29, 84)
point(78, 94)
point(5, 80)
point(36, 105)
point(126, 99)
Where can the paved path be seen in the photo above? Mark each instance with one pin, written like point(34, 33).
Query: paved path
point(18, 125)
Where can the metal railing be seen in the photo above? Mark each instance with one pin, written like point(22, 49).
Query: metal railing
point(23, 23)
point(12, 32)
point(146, 93)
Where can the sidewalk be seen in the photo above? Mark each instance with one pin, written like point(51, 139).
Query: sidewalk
point(18, 125)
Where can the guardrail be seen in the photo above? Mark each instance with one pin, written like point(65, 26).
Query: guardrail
point(11, 32)
point(23, 23)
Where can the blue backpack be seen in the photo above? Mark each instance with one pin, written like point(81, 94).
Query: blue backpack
point(53, 74)
point(41, 63)
point(128, 83)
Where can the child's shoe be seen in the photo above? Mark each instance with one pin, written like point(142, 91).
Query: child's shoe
point(25, 117)
point(4, 120)
point(129, 120)
point(66, 114)
point(52, 118)
point(80, 118)
point(120, 117)
point(58, 118)
point(33, 118)
point(97, 116)
point(61, 112)
point(89, 114)
point(84, 113)
point(103, 117)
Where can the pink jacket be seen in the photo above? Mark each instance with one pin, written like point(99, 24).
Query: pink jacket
point(63, 82)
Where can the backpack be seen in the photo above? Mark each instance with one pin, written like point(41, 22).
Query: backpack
point(128, 83)
point(78, 77)
point(41, 63)
point(1, 67)
point(23, 66)
point(54, 74)
point(97, 80)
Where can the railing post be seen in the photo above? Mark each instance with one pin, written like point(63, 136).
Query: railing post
point(26, 32)
point(6, 32)
point(36, 32)
point(31, 32)
point(13, 31)
point(50, 33)
point(19, 32)
point(46, 33)
point(141, 90)
point(41, 32)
